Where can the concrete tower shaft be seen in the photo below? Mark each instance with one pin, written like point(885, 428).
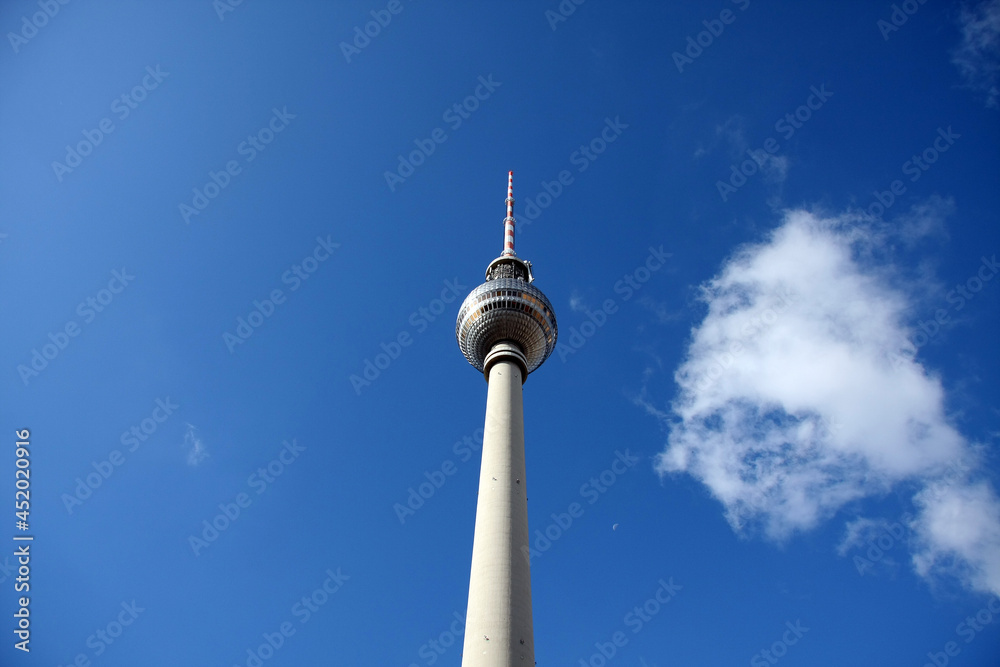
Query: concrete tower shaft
point(499, 630)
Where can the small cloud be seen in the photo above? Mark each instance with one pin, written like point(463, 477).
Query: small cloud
point(660, 310)
point(643, 402)
point(978, 55)
point(576, 303)
point(925, 220)
point(732, 133)
point(196, 447)
point(775, 169)
point(861, 532)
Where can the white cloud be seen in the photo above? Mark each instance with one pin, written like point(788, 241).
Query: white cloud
point(196, 448)
point(958, 529)
point(978, 55)
point(801, 393)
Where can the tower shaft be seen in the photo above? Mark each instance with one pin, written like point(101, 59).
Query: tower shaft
point(498, 629)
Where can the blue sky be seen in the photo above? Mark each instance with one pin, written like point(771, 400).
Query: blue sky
point(769, 232)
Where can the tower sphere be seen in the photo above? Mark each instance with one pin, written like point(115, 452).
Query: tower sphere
point(507, 308)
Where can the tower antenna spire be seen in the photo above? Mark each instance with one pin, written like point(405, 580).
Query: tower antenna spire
point(508, 222)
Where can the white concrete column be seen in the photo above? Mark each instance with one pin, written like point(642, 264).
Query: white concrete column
point(498, 627)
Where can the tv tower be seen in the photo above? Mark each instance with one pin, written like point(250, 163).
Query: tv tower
point(506, 328)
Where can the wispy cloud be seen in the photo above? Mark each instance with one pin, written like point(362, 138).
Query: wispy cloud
point(801, 393)
point(196, 452)
point(732, 134)
point(576, 303)
point(978, 55)
point(860, 532)
point(925, 220)
point(660, 310)
point(775, 169)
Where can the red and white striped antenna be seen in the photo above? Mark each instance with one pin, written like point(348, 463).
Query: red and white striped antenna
point(508, 222)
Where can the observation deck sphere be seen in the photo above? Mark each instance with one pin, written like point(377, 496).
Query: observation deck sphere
point(506, 309)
